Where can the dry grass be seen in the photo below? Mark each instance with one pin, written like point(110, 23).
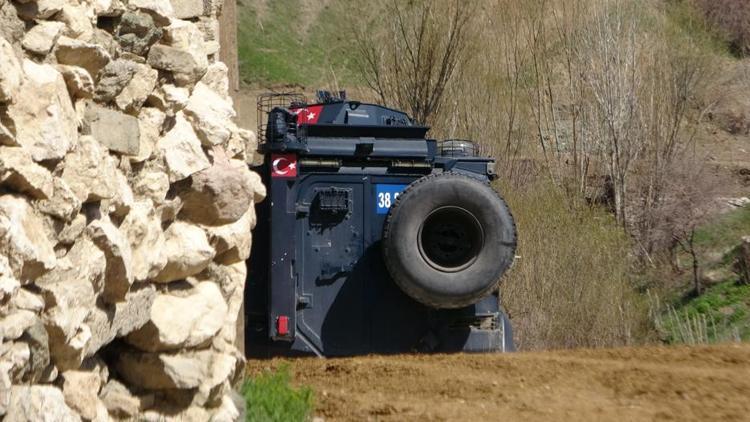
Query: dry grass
point(571, 285)
point(732, 19)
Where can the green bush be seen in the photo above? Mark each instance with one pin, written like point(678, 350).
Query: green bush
point(721, 314)
point(270, 397)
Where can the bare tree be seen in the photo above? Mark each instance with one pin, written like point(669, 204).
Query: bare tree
point(610, 51)
point(410, 61)
point(684, 205)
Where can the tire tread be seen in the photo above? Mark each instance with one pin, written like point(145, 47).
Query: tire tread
point(407, 287)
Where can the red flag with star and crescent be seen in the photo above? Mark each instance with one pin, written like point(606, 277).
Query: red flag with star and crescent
point(307, 115)
point(283, 165)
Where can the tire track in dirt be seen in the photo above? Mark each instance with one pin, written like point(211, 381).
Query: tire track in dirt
point(681, 383)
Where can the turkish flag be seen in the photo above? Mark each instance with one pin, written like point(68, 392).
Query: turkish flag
point(283, 165)
point(307, 115)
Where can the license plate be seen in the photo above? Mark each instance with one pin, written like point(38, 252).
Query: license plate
point(385, 196)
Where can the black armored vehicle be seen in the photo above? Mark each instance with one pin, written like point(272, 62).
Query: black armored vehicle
point(373, 237)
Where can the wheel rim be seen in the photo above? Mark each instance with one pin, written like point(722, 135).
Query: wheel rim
point(450, 239)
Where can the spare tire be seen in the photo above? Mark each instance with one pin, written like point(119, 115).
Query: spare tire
point(448, 240)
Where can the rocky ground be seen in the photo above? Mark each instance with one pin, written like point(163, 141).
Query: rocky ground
point(681, 384)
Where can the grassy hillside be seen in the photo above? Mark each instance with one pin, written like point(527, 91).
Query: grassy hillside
point(293, 42)
point(722, 312)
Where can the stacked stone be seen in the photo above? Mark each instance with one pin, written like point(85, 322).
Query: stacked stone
point(126, 206)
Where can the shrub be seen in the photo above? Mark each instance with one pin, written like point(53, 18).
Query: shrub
point(732, 19)
point(720, 315)
point(571, 285)
point(270, 397)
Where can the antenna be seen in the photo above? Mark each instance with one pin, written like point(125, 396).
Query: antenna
point(325, 97)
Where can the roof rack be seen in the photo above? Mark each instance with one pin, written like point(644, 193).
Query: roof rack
point(269, 100)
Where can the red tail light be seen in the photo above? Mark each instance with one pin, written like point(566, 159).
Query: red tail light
point(282, 325)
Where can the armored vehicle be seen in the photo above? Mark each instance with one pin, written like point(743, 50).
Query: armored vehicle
point(373, 237)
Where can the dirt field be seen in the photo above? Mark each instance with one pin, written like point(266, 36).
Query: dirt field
point(701, 383)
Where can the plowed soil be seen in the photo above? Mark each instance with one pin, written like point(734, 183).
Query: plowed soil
point(680, 384)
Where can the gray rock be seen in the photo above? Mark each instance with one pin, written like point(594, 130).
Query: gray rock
point(175, 98)
point(158, 8)
point(26, 300)
point(123, 200)
point(113, 78)
point(188, 9)
point(182, 150)
point(188, 252)
point(232, 279)
point(5, 386)
point(91, 57)
point(20, 173)
point(142, 228)
point(152, 185)
point(232, 241)
point(42, 37)
point(70, 294)
point(738, 202)
point(117, 131)
point(232, 408)
point(11, 72)
point(164, 332)
point(120, 402)
point(210, 114)
point(13, 325)
point(11, 26)
point(14, 359)
point(81, 392)
point(64, 204)
point(192, 369)
point(23, 240)
point(39, 9)
point(217, 78)
point(242, 145)
point(219, 195)
point(9, 287)
point(78, 80)
point(109, 8)
point(38, 341)
point(90, 172)
point(185, 67)
point(42, 403)
point(98, 366)
point(134, 94)
point(71, 231)
point(150, 123)
point(119, 275)
point(118, 320)
point(137, 32)
point(714, 277)
point(43, 115)
point(169, 210)
point(77, 22)
point(7, 131)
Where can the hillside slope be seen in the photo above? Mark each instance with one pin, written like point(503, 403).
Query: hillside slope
point(292, 42)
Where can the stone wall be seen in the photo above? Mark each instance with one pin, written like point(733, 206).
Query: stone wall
point(126, 207)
